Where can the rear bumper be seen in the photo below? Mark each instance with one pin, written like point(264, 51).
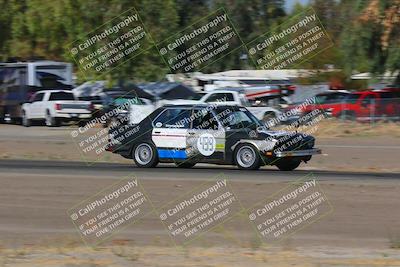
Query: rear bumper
point(73, 116)
point(298, 153)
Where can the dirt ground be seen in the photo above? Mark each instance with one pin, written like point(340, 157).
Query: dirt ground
point(361, 230)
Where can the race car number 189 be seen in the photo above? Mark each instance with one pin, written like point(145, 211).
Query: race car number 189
point(206, 144)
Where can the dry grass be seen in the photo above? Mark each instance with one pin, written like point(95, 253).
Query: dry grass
point(197, 256)
point(336, 128)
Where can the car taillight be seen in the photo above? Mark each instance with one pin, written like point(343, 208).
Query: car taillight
point(57, 106)
point(291, 87)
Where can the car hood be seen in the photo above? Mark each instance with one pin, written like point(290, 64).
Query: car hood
point(285, 140)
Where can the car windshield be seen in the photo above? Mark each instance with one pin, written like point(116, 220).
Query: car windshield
point(352, 98)
point(330, 98)
point(237, 118)
point(124, 100)
point(61, 96)
point(320, 99)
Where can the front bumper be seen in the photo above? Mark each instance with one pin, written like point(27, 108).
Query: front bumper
point(298, 153)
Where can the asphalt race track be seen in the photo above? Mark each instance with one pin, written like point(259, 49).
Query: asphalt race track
point(36, 196)
point(169, 171)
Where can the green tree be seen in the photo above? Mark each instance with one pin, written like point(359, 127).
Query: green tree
point(371, 40)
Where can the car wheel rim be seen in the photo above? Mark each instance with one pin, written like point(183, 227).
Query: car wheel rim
point(246, 156)
point(143, 154)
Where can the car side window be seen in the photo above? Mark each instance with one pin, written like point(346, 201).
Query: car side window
point(204, 120)
point(37, 97)
point(173, 118)
point(321, 99)
point(332, 98)
point(243, 100)
point(220, 97)
point(368, 100)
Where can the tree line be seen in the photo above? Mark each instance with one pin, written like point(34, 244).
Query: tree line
point(365, 32)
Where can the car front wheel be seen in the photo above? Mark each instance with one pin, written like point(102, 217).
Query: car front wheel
point(247, 157)
point(288, 164)
point(145, 155)
point(25, 121)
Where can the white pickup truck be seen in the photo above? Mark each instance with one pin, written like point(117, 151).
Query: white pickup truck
point(233, 98)
point(55, 106)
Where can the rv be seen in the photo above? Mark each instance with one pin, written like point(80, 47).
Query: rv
point(20, 80)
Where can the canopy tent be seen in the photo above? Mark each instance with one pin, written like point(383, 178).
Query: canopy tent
point(97, 88)
point(169, 90)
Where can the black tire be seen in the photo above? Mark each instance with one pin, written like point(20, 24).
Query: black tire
point(51, 121)
point(288, 164)
point(145, 155)
point(25, 121)
point(247, 157)
point(185, 165)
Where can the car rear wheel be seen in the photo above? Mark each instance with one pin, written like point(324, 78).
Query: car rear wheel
point(145, 155)
point(288, 164)
point(185, 165)
point(50, 121)
point(247, 157)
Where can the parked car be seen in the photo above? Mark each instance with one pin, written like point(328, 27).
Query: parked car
point(361, 106)
point(322, 101)
point(123, 103)
point(54, 107)
point(367, 106)
point(189, 134)
point(97, 102)
point(236, 98)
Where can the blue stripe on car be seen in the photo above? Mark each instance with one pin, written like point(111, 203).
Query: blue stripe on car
point(172, 154)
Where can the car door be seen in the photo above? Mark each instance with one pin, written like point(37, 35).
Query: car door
point(367, 106)
point(42, 105)
point(206, 140)
point(170, 132)
point(34, 107)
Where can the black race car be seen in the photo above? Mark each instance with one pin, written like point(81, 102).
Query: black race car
point(190, 134)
